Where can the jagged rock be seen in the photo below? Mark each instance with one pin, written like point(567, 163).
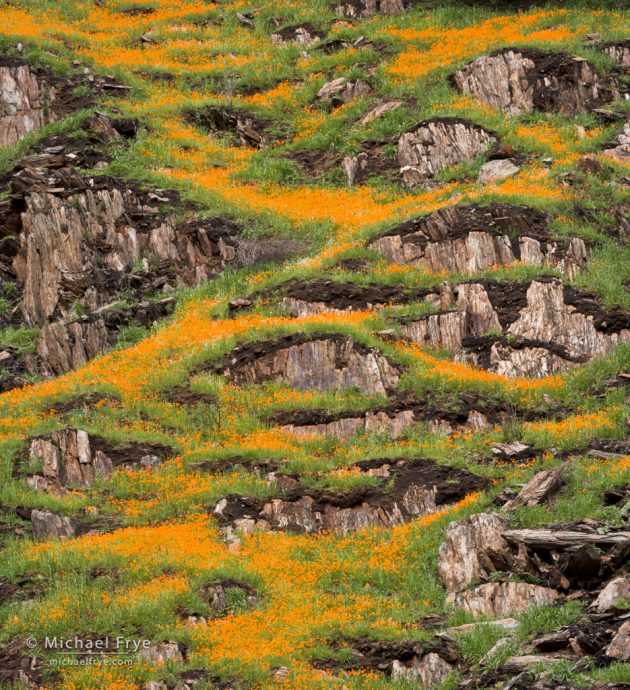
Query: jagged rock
point(512, 451)
point(249, 129)
point(302, 34)
point(429, 671)
point(355, 9)
point(407, 489)
point(502, 598)
point(24, 102)
point(619, 51)
point(380, 110)
point(461, 558)
point(517, 80)
point(469, 239)
point(160, 653)
point(342, 90)
point(217, 594)
point(72, 458)
point(436, 144)
point(540, 488)
point(19, 667)
point(80, 241)
point(355, 167)
point(317, 362)
point(49, 525)
point(614, 591)
point(509, 625)
point(497, 170)
point(533, 330)
point(619, 648)
point(565, 538)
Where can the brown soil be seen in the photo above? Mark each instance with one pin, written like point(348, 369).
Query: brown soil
point(184, 395)
point(338, 295)
point(81, 403)
point(249, 128)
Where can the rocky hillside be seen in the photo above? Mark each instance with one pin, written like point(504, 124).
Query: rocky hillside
point(315, 345)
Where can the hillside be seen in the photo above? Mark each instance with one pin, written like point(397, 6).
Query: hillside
point(314, 345)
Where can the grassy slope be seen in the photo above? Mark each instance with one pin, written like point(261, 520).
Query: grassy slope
point(377, 583)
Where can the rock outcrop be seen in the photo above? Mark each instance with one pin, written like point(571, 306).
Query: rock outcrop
point(248, 129)
point(436, 144)
point(59, 225)
point(463, 555)
point(33, 96)
point(619, 51)
point(72, 457)
point(621, 153)
point(414, 488)
point(342, 90)
point(501, 598)
point(517, 80)
point(469, 238)
point(48, 525)
point(317, 362)
point(521, 329)
point(358, 9)
point(302, 34)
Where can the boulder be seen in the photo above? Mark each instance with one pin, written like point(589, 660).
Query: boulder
point(615, 591)
point(501, 598)
point(161, 653)
point(619, 648)
point(48, 525)
point(342, 90)
point(461, 558)
point(436, 144)
point(517, 80)
point(380, 110)
point(316, 362)
point(428, 672)
point(497, 170)
point(301, 34)
point(621, 152)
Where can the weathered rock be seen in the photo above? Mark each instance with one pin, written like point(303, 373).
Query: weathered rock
point(302, 34)
point(160, 653)
point(429, 671)
point(517, 80)
point(539, 489)
point(497, 170)
point(621, 152)
point(502, 598)
point(414, 488)
point(356, 9)
point(342, 90)
point(380, 110)
point(66, 224)
point(217, 594)
point(619, 51)
point(70, 457)
point(525, 662)
point(19, 667)
point(461, 558)
point(436, 144)
point(49, 525)
point(248, 129)
point(512, 452)
point(469, 239)
point(24, 102)
point(534, 329)
point(619, 648)
point(317, 362)
point(615, 591)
